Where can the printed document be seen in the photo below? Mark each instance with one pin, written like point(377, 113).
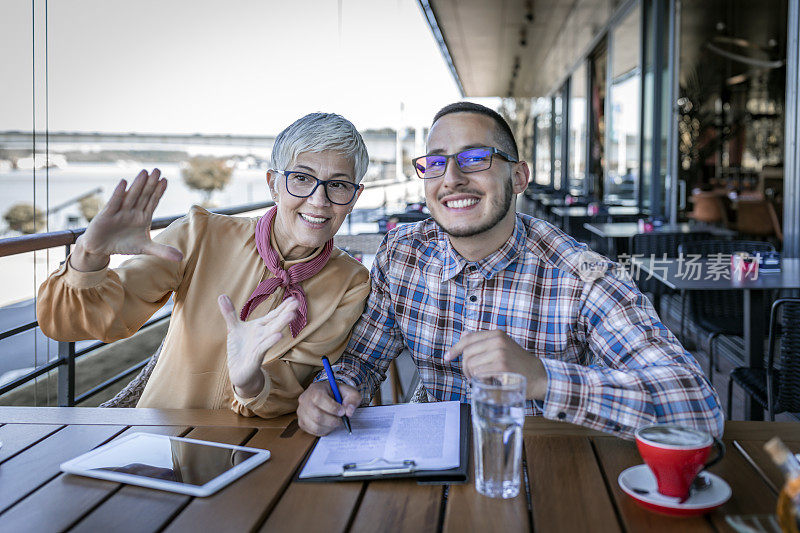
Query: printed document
point(426, 433)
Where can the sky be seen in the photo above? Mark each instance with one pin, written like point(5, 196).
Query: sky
point(221, 66)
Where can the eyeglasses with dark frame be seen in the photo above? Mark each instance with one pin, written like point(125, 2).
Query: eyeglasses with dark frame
point(472, 160)
point(302, 185)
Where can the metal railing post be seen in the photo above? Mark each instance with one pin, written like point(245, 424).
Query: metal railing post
point(66, 374)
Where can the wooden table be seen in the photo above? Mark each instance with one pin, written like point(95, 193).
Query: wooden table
point(570, 472)
point(755, 321)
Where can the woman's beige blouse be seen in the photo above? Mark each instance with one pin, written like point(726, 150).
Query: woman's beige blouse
point(220, 256)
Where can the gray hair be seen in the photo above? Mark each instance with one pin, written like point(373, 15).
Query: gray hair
point(317, 132)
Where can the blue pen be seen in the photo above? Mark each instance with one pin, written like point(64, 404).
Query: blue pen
point(335, 389)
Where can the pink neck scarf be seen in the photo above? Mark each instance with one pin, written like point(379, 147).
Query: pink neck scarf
point(288, 279)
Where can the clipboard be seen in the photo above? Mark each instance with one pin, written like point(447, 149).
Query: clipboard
point(382, 469)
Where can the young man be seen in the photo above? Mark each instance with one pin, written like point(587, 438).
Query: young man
point(481, 288)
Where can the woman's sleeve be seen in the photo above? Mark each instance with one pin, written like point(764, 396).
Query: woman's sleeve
point(112, 304)
point(329, 337)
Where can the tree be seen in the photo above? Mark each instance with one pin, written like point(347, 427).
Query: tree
point(25, 218)
point(206, 174)
point(90, 206)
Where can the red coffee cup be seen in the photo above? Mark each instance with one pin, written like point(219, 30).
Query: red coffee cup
point(676, 454)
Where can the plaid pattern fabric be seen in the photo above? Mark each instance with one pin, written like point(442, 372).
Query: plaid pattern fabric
point(611, 364)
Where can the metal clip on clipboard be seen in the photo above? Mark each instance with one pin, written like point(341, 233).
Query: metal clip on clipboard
point(379, 466)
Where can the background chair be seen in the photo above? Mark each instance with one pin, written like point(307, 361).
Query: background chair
point(709, 207)
point(720, 312)
point(777, 390)
point(758, 218)
point(130, 394)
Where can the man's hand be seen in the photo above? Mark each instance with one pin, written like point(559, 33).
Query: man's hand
point(123, 225)
point(249, 341)
point(319, 414)
point(483, 352)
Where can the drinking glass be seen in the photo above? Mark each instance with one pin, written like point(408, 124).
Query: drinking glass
point(498, 413)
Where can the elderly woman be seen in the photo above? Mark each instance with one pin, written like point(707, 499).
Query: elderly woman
point(299, 295)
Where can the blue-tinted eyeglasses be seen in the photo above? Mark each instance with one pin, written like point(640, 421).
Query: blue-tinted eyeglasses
point(472, 160)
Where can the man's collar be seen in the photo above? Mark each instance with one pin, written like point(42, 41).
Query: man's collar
point(490, 265)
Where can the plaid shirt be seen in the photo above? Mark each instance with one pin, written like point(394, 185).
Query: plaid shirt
point(611, 364)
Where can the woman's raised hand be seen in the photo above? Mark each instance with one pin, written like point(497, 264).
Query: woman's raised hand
point(123, 225)
point(249, 341)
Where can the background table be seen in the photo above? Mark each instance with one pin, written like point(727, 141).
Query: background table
point(570, 481)
point(571, 219)
point(620, 234)
point(755, 323)
point(573, 212)
point(542, 203)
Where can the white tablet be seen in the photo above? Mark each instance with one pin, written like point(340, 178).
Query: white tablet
point(188, 466)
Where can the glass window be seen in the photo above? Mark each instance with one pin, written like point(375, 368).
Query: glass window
point(622, 143)
point(732, 91)
point(24, 195)
point(577, 132)
point(543, 152)
point(133, 103)
point(20, 211)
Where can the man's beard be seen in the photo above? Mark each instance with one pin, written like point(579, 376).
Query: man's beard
point(500, 207)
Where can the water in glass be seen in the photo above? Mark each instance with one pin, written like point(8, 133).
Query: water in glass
point(498, 413)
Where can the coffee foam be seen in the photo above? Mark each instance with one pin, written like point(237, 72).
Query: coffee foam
point(674, 436)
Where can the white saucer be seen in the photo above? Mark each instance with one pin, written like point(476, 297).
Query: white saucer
point(639, 483)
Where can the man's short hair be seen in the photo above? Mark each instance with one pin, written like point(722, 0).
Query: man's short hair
point(503, 133)
point(318, 132)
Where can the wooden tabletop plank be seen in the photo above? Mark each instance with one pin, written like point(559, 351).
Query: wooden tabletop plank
point(248, 500)
point(762, 431)
point(399, 505)
point(17, 437)
point(25, 472)
point(137, 417)
point(564, 476)
point(309, 507)
point(537, 425)
point(137, 509)
point(467, 510)
point(751, 495)
point(743, 430)
point(737, 429)
point(763, 464)
point(614, 456)
point(65, 499)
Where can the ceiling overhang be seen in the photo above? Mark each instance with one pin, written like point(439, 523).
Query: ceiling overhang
point(518, 48)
